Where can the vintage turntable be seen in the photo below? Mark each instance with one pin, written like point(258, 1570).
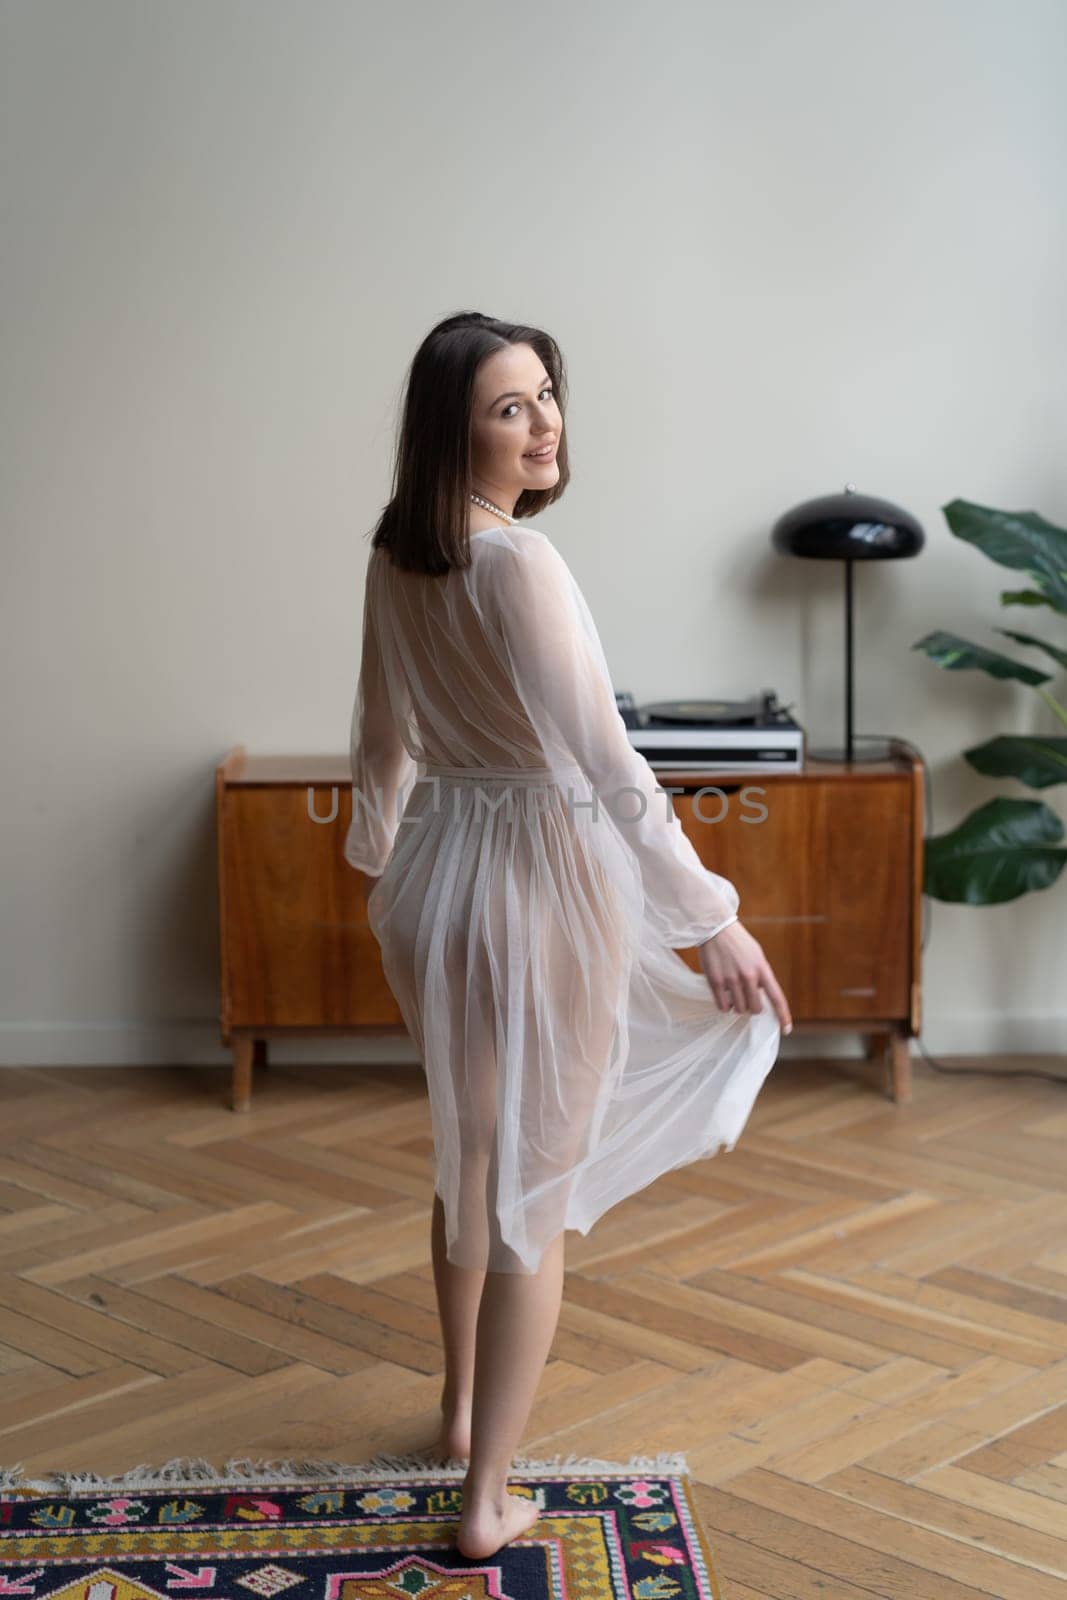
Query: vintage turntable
point(715, 735)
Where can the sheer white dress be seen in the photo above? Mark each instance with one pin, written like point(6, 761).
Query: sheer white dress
point(533, 886)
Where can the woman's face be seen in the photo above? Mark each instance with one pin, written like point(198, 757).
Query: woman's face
point(515, 413)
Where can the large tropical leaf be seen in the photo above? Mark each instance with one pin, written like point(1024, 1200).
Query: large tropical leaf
point(1036, 760)
point(1020, 539)
point(1023, 597)
point(1001, 851)
point(956, 654)
point(1039, 644)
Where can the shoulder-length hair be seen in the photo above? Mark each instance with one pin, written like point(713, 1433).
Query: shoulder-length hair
point(424, 525)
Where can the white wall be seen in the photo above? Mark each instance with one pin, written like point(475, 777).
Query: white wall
point(783, 245)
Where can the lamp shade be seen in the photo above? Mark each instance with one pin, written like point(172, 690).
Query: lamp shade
point(847, 527)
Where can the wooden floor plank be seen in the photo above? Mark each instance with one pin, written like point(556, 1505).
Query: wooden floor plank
point(854, 1324)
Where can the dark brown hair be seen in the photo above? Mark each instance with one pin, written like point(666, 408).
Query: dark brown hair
point(424, 526)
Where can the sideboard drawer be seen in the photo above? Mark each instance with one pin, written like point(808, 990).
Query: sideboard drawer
point(824, 870)
point(297, 951)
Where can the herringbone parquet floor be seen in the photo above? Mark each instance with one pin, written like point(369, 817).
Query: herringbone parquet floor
point(855, 1324)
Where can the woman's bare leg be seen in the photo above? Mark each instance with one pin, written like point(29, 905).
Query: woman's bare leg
point(459, 1292)
point(516, 1325)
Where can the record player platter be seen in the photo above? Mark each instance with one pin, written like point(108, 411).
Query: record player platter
point(757, 711)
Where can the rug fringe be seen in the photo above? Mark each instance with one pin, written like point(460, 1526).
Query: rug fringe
point(197, 1472)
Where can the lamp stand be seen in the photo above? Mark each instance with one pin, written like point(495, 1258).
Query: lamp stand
point(873, 749)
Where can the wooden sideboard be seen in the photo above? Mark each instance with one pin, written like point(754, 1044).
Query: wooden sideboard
point(828, 864)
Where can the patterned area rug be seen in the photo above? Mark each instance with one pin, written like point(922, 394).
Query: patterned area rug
point(379, 1530)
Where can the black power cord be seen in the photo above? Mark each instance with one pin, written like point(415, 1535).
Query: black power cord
point(928, 798)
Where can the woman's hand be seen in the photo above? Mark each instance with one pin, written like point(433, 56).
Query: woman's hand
point(736, 968)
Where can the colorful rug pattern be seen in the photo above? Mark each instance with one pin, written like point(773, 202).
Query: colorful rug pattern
point(382, 1530)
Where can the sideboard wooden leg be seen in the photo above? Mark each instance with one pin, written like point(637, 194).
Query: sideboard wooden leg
point(241, 1091)
point(900, 1067)
point(259, 1054)
point(877, 1044)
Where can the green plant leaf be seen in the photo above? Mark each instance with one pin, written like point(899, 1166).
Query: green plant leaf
point(1038, 761)
point(1023, 597)
point(1020, 539)
point(957, 655)
point(1005, 849)
point(1039, 644)
point(1054, 706)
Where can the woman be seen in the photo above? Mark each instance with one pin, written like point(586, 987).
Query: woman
point(533, 885)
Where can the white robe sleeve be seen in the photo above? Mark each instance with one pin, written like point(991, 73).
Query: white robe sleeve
point(381, 765)
point(557, 663)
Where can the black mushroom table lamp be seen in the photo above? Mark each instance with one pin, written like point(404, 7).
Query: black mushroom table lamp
point(848, 527)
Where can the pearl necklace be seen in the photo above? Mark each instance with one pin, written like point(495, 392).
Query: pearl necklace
point(480, 500)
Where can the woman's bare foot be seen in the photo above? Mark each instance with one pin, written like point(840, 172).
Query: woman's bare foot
point(483, 1530)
